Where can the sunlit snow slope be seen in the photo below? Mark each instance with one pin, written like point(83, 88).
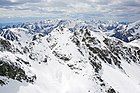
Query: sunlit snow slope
point(73, 57)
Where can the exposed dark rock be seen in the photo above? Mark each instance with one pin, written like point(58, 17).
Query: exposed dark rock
point(111, 90)
point(14, 72)
point(5, 45)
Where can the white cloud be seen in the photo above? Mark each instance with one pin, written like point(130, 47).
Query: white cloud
point(31, 8)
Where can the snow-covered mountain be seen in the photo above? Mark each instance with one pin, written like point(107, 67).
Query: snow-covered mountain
point(64, 56)
point(128, 32)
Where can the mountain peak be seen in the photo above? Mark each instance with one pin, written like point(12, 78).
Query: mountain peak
point(69, 57)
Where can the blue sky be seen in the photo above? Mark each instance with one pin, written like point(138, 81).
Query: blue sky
point(97, 9)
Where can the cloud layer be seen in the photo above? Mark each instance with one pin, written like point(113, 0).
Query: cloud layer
point(102, 9)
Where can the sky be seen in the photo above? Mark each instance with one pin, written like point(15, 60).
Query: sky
point(76, 9)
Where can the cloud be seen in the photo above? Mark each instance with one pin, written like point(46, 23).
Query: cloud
point(9, 2)
point(72, 8)
point(131, 3)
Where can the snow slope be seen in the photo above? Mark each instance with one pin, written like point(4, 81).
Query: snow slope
point(85, 60)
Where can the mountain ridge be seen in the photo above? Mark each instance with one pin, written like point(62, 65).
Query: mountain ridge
point(86, 60)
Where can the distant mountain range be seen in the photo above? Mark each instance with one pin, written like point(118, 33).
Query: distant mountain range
point(121, 30)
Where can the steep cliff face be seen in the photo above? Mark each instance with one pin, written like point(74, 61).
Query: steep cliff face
point(77, 60)
point(14, 64)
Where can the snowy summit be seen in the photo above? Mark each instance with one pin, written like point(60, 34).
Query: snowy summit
point(70, 56)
